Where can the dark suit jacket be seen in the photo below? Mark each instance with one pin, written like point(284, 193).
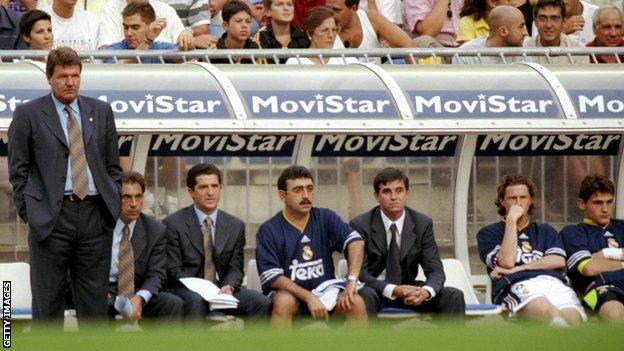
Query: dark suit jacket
point(38, 156)
point(185, 251)
point(149, 243)
point(418, 247)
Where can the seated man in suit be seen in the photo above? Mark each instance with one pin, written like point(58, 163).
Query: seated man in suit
point(398, 241)
point(138, 261)
point(594, 249)
point(294, 254)
point(526, 260)
point(209, 243)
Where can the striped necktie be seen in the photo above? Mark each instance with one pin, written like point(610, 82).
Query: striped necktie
point(125, 280)
point(209, 267)
point(80, 185)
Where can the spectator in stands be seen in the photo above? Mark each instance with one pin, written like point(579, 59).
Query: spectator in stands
point(36, 29)
point(393, 228)
point(607, 25)
point(435, 18)
point(321, 27)
point(526, 260)
point(473, 24)
point(73, 26)
point(22, 5)
point(578, 20)
point(207, 242)
point(138, 267)
point(507, 30)
point(10, 38)
point(390, 9)
point(215, 30)
point(94, 7)
point(111, 27)
point(302, 7)
point(365, 29)
point(294, 255)
point(594, 249)
point(195, 16)
point(526, 7)
point(281, 33)
point(141, 27)
point(549, 16)
point(237, 24)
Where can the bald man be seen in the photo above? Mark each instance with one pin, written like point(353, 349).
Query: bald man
point(608, 30)
point(507, 28)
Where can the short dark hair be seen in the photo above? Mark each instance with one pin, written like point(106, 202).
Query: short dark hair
point(201, 169)
point(315, 17)
point(351, 3)
point(144, 9)
point(233, 7)
point(132, 177)
point(595, 183)
point(29, 19)
point(64, 56)
point(545, 3)
point(510, 180)
point(389, 174)
point(293, 172)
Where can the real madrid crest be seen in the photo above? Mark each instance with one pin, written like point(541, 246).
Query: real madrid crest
point(526, 247)
point(307, 253)
point(612, 243)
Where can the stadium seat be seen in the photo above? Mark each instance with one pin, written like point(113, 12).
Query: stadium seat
point(253, 278)
point(19, 275)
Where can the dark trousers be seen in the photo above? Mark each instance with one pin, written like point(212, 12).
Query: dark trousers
point(81, 244)
point(448, 301)
point(251, 303)
point(164, 306)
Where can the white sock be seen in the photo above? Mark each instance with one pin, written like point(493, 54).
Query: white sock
point(558, 322)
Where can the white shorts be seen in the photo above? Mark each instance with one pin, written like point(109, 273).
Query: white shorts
point(560, 295)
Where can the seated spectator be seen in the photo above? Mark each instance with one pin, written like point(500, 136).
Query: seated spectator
point(281, 33)
point(302, 7)
point(215, 29)
point(526, 259)
point(594, 249)
point(111, 28)
point(321, 27)
point(195, 16)
point(237, 24)
point(507, 30)
point(73, 26)
point(36, 29)
point(578, 20)
point(22, 6)
point(10, 38)
point(607, 25)
point(94, 7)
point(141, 27)
point(473, 24)
point(436, 18)
point(390, 9)
point(548, 16)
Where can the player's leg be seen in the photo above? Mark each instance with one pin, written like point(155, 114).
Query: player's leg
point(356, 315)
point(612, 311)
point(284, 308)
point(541, 309)
point(571, 315)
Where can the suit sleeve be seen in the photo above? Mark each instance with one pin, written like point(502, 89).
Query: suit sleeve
point(157, 262)
point(19, 158)
point(234, 275)
point(576, 246)
point(174, 253)
point(365, 275)
point(112, 149)
point(267, 257)
point(431, 263)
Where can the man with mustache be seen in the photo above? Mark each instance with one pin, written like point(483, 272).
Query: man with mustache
point(294, 254)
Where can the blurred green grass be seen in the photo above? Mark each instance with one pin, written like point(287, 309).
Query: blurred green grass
point(480, 335)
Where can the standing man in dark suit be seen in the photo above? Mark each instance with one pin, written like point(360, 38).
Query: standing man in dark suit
point(208, 243)
point(64, 168)
point(139, 257)
point(398, 240)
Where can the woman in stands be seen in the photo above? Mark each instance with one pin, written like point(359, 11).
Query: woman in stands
point(321, 28)
point(36, 29)
point(281, 33)
point(473, 24)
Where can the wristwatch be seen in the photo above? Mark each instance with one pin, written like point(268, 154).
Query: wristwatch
point(352, 278)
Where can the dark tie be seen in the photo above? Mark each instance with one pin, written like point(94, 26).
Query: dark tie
point(125, 280)
point(209, 267)
point(80, 185)
point(393, 265)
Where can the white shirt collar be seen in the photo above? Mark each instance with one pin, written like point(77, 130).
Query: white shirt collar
point(120, 224)
point(387, 222)
point(201, 216)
